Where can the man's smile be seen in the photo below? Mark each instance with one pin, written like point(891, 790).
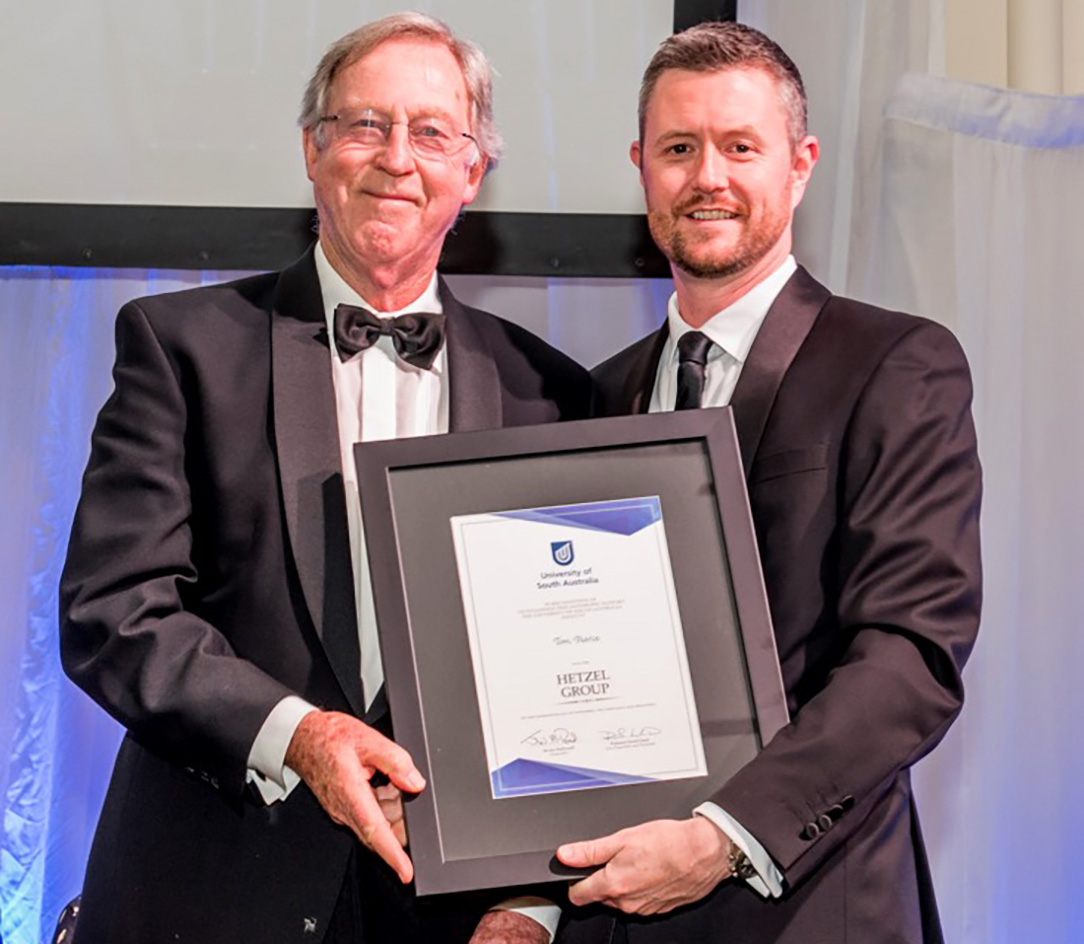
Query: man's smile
point(713, 215)
point(394, 197)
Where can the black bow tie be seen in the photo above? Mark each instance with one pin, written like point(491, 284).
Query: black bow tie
point(417, 337)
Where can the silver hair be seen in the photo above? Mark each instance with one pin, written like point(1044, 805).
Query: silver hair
point(344, 52)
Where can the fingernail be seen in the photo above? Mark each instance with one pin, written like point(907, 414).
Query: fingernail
point(415, 781)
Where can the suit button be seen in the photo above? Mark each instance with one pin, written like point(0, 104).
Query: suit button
point(835, 812)
point(847, 802)
point(824, 821)
point(810, 832)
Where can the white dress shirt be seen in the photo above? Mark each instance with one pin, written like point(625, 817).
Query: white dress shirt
point(377, 396)
point(733, 331)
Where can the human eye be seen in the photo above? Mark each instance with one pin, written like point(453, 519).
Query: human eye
point(742, 149)
point(429, 129)
point(366, 126)
point(678, 149)
point(431, 134)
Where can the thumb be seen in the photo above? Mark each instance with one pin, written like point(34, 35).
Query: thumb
point(590, 851)
point(407, 778)
point(388, 757)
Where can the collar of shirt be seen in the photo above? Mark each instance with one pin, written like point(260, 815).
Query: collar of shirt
point(735, 327)
point(732, 330)
point(335, 291)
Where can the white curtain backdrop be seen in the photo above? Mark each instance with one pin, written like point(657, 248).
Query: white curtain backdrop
point(965, 203)
point(851, 54)
point(982, 203)
point(958, 202)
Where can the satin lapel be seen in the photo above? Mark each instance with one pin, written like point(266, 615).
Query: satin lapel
point(643, 368)
point(474, 386)
point(310, 469)
point(777, 342)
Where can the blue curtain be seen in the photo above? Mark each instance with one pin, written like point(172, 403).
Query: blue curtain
point(56, 746)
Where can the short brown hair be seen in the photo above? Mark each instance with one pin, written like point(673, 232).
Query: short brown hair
point(344, 52)
point(714, 47)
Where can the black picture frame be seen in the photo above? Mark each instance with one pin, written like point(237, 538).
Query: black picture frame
point(460, 836)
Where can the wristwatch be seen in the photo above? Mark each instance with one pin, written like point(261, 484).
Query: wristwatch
point(738, 863)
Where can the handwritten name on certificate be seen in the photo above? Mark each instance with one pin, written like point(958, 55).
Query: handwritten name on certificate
point(576, 641)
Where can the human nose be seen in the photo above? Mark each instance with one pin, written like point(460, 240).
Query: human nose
point(712, 172)
point(397, 156)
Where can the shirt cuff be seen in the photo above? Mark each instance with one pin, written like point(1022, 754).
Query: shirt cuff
point(545, 912)
point(267, 759)
point(768, 882)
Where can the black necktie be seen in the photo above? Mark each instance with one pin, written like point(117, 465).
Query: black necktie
point(692, 358)
point(417, 337)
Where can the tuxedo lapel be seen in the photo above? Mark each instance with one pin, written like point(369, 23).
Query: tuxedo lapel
point(644, 371)
point(624, 383)
point(310, 468)
point(777, 342)
point(473, 382)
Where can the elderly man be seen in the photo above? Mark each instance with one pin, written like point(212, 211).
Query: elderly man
point(858, 444)
point(216, 598)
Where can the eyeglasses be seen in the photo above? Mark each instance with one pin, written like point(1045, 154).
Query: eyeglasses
point(429, 137)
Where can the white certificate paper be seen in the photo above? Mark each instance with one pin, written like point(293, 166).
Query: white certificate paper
point(576, 641)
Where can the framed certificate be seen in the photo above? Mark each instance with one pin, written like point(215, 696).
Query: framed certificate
point(574, 632)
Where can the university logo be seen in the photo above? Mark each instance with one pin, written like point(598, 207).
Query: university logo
point(562, 552)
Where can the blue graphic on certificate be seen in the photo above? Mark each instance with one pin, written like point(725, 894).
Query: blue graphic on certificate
point(576, 642)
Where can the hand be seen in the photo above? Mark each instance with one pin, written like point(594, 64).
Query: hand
point(509, 927)
point(336, 755)
point(650, 869)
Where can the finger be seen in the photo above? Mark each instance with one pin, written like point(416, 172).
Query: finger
point(590, 851)
point(388, 792)
point(594, 888)
point(398, 830)
point(393, 813)
point(392, 810)
point(374, 830)
point(391, 801)
point(387, 756)
point(384, 842)
point(391, 805)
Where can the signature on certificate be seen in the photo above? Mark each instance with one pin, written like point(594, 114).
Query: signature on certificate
point(542, 738)
point(626, 734)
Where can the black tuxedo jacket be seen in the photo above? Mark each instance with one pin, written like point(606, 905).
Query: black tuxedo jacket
point(864, 482)
point(209, 575)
